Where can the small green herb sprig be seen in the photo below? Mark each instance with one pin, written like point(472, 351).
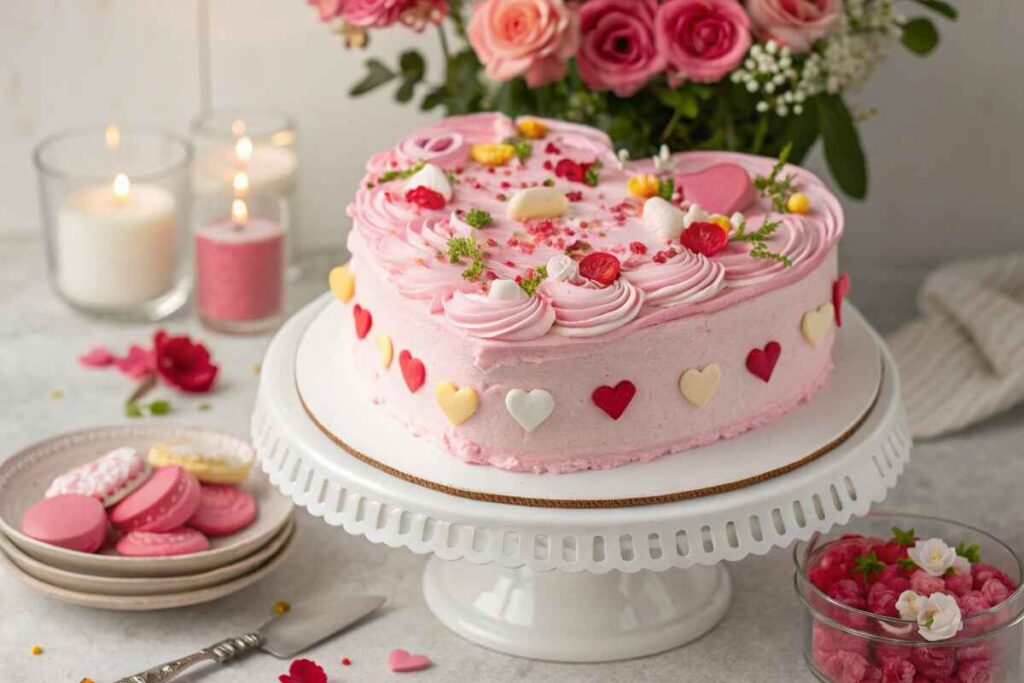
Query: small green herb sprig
point(758, 240)
point(398, 174)
point(157, 408)
point(592, 177)
point(868, 564)
point(530, 284)
point(478, 218)
point(778, 188)
point(467, 248)
point(666, 188)
point(523, 149)
point(902, 537)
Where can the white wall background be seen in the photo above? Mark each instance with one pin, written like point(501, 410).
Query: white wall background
point(945, 148)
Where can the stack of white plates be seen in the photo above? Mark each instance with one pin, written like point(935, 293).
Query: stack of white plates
point(109, 581)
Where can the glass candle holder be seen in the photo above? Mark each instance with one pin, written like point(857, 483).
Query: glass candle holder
point(262, 145)
point(846, 638)
point(115, 207)
point(240, 247)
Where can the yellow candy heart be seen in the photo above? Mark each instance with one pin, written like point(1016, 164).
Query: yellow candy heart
point(699, 386)
point(644, 185)
point(386, 348)
point(343, 283)
point(816, 324)
point(532, 128)
point(458, 404)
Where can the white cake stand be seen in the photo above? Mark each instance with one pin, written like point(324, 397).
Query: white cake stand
point(563, 570)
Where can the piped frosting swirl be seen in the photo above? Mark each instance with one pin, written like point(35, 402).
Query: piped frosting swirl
point(500, 319)
point(588, 309)
point(686, 278)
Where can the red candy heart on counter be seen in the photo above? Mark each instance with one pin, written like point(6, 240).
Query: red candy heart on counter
point(722, 188)
point(614, 400)
point(364, 321)
point(761, 363)
point(413, 371)
point(400, 661)
point(840, 288)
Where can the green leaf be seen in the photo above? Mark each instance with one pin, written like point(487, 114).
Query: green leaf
point(843, 152)
point(405, 91)
point(683, 101)
point(940, 7)
point(159, 407)
point(412, 65)
point(971, 552)
point(920, 36)
point(377, 74)
point(802, 133)
point(432, 99)
point(867, 564)
point(903, 538)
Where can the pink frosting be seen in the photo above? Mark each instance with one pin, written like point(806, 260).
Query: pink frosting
point(588, 309)
point(502, 320)
point(686, 278)
point(410, 243)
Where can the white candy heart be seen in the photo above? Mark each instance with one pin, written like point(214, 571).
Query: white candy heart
point(699, 386)
point(537, 202)
point(432, 178)
point(562, 268)
point(816, 324)
point(695, 214)
point(663, 218)
point(506, 290)
point(529, 409)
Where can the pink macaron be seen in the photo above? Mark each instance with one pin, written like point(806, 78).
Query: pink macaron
point(223, 509)
point(165, 544)
point(163, 503)
point(73, 521)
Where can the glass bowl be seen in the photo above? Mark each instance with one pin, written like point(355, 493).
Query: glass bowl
point(847, 644)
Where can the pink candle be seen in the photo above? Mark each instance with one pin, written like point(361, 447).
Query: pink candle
point(240, 270)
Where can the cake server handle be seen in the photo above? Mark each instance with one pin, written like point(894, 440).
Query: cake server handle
point(221, 652)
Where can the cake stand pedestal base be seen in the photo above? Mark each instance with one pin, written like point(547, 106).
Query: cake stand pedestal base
point(576, 617)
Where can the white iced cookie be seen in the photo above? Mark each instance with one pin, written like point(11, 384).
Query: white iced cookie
point(209, 469)
point(110, 477)
point(537, 202)
point(432, 178)
point(663, 219)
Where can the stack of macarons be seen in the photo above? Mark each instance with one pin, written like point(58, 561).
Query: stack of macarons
point(168, 503)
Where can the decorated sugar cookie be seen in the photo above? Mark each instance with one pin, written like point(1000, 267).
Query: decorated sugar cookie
point(163, 503)
point(209, 468)
point(109, 478)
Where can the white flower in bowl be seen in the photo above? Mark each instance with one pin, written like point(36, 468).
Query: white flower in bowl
point(933, 556)
point(909, 604)
point(939, 617)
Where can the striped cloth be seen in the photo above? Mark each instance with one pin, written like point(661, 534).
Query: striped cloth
point(962, 360)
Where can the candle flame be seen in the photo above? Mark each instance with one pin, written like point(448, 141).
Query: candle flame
point(121, 188)
point(283, 138)
point(238, 128)
point(239, 212)
point(113, 136)
point(243, 149)
point(241, 183)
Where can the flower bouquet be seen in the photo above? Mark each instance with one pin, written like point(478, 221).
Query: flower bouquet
point(751, 76)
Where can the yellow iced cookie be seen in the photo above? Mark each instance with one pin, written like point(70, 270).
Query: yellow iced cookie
point(211, 469)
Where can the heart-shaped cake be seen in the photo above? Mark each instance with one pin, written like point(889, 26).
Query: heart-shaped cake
point(523, 267)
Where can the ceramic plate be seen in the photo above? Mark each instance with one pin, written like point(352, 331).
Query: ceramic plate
point(25, 476)
point(139, 603)
point(112, 585)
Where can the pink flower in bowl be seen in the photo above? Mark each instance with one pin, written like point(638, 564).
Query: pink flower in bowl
point(531, 38)
point(794, 23)
point(618, 50)
point(702, 39)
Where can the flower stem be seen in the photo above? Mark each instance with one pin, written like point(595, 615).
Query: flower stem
point(444, 45)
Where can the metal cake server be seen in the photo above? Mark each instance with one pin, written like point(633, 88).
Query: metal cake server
point(283, 636)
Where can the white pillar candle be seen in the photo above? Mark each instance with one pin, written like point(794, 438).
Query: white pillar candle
point(271, 170)
point(116, 245)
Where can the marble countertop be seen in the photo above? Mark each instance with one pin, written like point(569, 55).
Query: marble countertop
point(975, 476)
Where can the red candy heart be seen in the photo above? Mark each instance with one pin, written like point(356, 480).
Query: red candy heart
point(614, 401)
point(364, 321)
point(762, 363)
point(722, 188)
point(400, 661)
point(840, 288)
point(412, 371)
point(704, 237)
point(601, 267)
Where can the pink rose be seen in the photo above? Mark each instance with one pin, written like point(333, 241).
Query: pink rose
point(328, 9)
point(848, 592)
point(923, 583)
point(846, 667)
point(934, 662)
point(373, 13)
point(533, 38)
point(975, 671)
point(794, 23)
point(703, 39)
point(959, 583)
point(898, 671)
point(972, 603)
point(882, 600)
point(618, 50)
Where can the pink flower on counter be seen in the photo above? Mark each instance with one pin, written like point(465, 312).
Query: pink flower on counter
point(618, 50)
point(702, 39)
point(531, 38)
point(794, 23)
point(183, 363)
point(139, 362)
